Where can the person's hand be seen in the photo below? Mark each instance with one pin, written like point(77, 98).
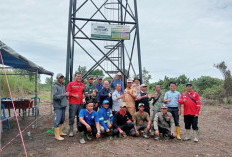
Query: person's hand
point(137, 133)
point(88, 128)
point(120, 131)
point(157, 133)
point(67, 93)
point(129, 121)
point(76, 96)
point(148, 127)
point(169, 100)
point(179, 112)
point(96, 105)
point(110, 126)
point(98, 135)
point(185, 100)
point(108, 130)
point(196, 115)
point(173, 134)
point(156, 96)
point(109, 95)
point(93, 94)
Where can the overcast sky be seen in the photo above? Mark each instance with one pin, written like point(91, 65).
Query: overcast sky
point(177, 36)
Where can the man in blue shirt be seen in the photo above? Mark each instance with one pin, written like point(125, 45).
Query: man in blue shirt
point(89, 123)
point(117, 81)
point(99, 86)
point(171, 98)
point(105, 117)
point(105, 94)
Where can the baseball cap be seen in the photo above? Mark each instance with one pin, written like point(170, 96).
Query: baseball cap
point(90, 77)
point(141, 104)
point(59, 75)
point(123, 104)
point(119, 73)
point(129, 80)
point(189, 84)
point(164, 106)
point(105, 102)
point(143, 85)
point(99, 78)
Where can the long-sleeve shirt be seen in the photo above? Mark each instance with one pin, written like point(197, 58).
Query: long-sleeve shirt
point(129, 99)
point(174, 96)
point(59, 95)
point(75, 88)
point(115, 82)
point(121, 119)
point(164, 121)
point(190, 107)
point(99, 88)
point(104, 116)
point(104, 95)
point(116, 103)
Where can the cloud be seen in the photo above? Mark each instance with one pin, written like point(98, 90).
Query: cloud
point(177, 37)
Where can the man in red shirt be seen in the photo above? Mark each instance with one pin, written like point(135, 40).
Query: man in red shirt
point(192, 106)
point(75, 90)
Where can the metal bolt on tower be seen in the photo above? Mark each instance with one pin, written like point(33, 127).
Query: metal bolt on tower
point(108, 32)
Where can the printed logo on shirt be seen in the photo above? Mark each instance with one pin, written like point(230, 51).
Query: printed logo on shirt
point(92, 117)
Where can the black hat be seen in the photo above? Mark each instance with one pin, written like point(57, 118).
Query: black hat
point(90, 77)
point(189, 84)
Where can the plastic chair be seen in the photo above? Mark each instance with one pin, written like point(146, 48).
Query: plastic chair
point(3, 117)
point(7, 98)
point(34, 108)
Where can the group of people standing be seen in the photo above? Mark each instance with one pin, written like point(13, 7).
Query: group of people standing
point(111, 109)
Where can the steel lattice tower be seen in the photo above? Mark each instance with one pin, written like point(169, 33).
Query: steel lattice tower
point(119, 54)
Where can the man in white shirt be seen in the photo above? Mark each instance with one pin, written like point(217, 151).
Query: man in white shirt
point(117, 97)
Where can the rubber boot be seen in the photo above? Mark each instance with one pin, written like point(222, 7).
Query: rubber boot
point(195, 134)
point(61, 130)
point(178, 133)
point(81, 137)
point(187, 135)
point(57, 134)
point(70, 130)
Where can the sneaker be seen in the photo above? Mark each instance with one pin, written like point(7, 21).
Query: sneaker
point(82, 140)
point(89, 136)
point(145, 135)
point(157, 138)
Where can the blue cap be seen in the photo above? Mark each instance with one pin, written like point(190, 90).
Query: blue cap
point(105, 102)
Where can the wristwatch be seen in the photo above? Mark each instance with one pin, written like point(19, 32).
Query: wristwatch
point(99, 132)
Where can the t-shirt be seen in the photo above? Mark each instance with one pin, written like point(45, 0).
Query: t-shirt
point(89, 118)
point(75, 87)
point(141, 119)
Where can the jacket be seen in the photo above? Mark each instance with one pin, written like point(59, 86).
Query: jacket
point(121, 119)
point(104, 116)
point(59, 95)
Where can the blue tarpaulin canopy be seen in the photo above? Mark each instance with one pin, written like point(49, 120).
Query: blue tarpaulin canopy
point(15, 60)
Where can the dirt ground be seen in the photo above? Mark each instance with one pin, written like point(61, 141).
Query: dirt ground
point(215, 139)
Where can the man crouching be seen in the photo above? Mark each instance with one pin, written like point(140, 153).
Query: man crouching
point(163, 121)
point(122, 121)
point(89, 123)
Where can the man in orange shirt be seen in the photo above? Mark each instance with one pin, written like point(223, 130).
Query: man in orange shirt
point(192, 105)
point(130, 96)
point(75, 90)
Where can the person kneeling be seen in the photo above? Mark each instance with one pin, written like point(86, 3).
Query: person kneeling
point(141, 121)
point(122, 121)
point(89, 123)
point(105, 115)
point(163, 121)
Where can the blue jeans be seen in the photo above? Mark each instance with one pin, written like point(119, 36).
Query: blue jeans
point(174, 111)
point(59, 116)
point(74, 111)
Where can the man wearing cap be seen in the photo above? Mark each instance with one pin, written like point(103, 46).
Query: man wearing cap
point(89, 123)
point(163, 121)
point(143, 98)
point(117, 81)
point(130, 96)
point(91, 93)
point(192, 105)
point(60, 103)
point(171, 98)
point(122, 121)
point(105, 94)
point(117, 98)
point(136, 86)
point(105, 117)
point(141, 121)
point(99, 86)
point(75, 90)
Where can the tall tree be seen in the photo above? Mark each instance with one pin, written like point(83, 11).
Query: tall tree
point(146, 76)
